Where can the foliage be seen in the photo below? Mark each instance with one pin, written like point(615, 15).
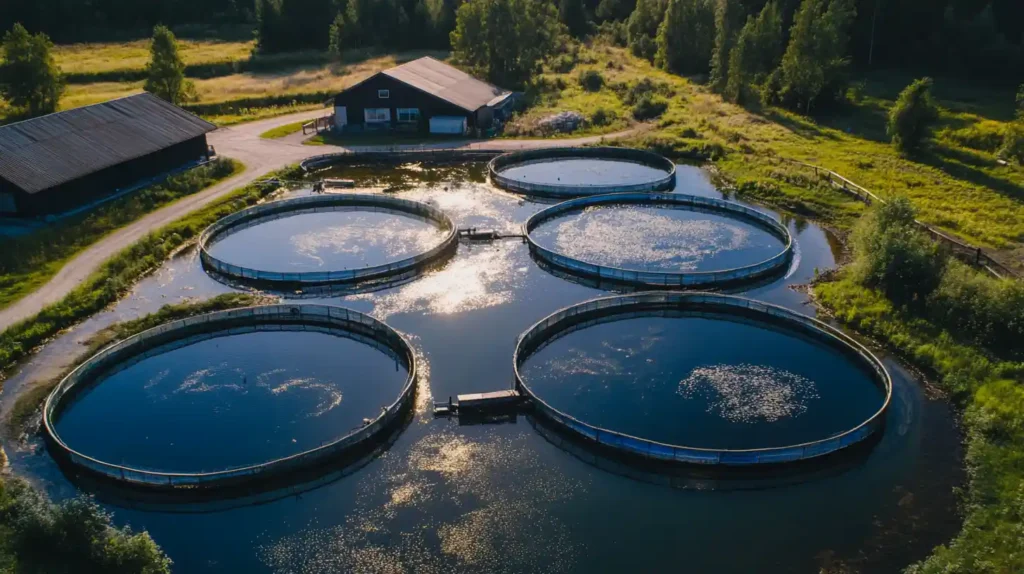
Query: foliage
point(728, 17)
point(1013, 143)
point(165, 71)
point(894, 257)
point(75, 536)
point(291, 25)
point(815, 59)
point(757, 52)
point(911, 118)
point(505, 40)
point(642, 27)
point(981, 309)
point(648, 108)
point(574, 16)
point(1020, 102)
point(686, 37)
point(602, 117)
point(591, 80)
point(282, 131)
point(28, 261)
point(116, 276)
point(614, 10)
point(29, 77)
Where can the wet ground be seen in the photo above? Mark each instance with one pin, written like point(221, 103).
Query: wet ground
point(441, 497)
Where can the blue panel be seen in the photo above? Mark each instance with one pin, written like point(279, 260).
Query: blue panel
point(739, 458)
point(784, 455)
point(662, 452)
point(635, 445)
point(696, 456)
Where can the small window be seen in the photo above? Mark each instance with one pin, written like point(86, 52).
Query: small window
point(408, 115)
point(377, 115)
point(383, 94)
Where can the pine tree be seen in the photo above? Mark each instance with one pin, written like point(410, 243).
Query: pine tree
point(756, 53)
point(165, 73)
point(728, 13)
point(642, 27)
point(816, 55)
point(29, 76)
point(686, 37)
point(574, 16)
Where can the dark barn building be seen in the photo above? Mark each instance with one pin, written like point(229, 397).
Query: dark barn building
point(60, 161)
point(425, 95)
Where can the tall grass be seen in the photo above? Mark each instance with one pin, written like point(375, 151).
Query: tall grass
point(29, 261)
point(116, 276)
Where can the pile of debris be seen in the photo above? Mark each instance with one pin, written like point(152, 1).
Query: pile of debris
point(562, 122)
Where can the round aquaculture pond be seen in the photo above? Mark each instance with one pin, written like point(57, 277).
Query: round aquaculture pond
point(660, 240)
point(232, 396)
point(327, 239)
point(660, 375)
point(574, 172)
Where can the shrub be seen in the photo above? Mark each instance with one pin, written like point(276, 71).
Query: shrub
point(591, 80)
point(894, 256)
point(980, 308)
point(602, 117)
point(1013, 143)
point(912, 116)
point(649, 108)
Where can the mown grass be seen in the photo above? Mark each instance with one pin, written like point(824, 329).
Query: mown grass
point(117, 275)
point(29, 401)
point(282, 131)
point(29, 261)
point(956, 184)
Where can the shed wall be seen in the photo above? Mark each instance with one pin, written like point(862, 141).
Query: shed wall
point(358, 98)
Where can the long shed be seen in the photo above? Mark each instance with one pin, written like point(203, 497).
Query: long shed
point(60, 161)
point(422, 95)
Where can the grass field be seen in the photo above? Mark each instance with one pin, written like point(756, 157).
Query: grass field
point(956, 184)
point(107, 58)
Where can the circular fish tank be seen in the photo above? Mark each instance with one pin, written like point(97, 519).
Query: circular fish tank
point(659, 375)
point(327, 240)
point(232, 396)
point(664, 240)
point(574, 172)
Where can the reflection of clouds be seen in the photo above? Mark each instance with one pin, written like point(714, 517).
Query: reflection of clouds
point(449, 507)
point(472, 205)
point(578, 362)
point(750, 393)
point(622, 236)
point(477, 280)
point(396, 236)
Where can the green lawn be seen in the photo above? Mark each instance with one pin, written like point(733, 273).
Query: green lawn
point(282, 131)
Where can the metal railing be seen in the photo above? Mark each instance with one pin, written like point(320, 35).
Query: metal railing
point(965, 250)
point(320, 204)
point(665, 183)
point(178, 333)
point(664, 279)
point(560, 321)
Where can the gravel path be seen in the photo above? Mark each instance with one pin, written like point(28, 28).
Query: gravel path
point(260, 156)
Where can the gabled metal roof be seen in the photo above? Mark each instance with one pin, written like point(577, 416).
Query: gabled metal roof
point(50, 150)
point(446, 82)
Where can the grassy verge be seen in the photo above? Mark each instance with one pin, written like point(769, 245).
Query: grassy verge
point(991, 394)
point(28, 403)
point(117, 275)
point(956, 184)
point(282, 131)
point(29, 261)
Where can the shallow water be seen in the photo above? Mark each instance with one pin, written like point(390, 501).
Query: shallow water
point(657, 238)
point(583, 171)
point(685, 381)
point(331, 241)
point(232, 401)
point(507, 498)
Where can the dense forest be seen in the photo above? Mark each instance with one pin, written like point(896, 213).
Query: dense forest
point(981, 38)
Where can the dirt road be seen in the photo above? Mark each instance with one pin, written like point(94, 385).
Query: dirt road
point(260, 156)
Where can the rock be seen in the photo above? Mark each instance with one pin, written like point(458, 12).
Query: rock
point(562, 122)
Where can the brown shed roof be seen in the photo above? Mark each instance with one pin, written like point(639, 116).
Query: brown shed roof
point(446, 82)
point(50, 150)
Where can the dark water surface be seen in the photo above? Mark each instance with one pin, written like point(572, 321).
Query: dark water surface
point(683, 380)
point(505, 498)
point(657, 238)
point(232, 401)
point(583, 171)
point(330, 241)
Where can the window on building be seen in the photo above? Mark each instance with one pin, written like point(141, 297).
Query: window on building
point(383, 94)
point(377, 115)
point(408, 115)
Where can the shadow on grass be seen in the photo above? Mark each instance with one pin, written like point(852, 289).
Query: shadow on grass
point(966, 166)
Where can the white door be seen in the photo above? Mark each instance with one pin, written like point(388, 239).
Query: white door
point(447, 125)
point(340, 117)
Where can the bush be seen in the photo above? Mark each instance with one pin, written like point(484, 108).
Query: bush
point(912, 116)
point(75, 536)
point(981, 309)
point(649, 108)
point(894, 256)
point(591, 80)
point(1013, 143)
point(602, 117)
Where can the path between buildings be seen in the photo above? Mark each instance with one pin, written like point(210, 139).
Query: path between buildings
point(260, 156)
